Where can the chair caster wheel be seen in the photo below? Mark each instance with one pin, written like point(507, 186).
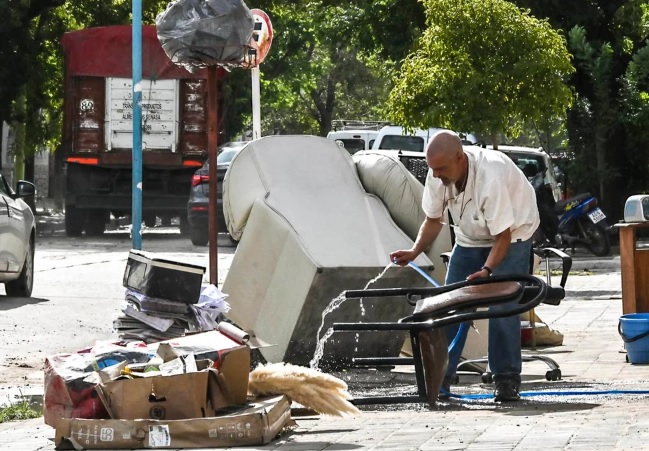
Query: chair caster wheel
point(487, 378)
point(553, 375)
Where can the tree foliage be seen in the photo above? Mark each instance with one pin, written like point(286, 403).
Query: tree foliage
point(606, 125)
point(482, 66)
point(18, 48)
point(315, 72)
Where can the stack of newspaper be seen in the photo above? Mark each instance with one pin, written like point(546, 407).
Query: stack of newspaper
point(152, 319)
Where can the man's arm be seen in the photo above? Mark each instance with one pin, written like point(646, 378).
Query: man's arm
point(496, 255)
point(428, 231)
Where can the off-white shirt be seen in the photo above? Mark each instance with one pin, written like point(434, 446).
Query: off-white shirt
point(497, 197)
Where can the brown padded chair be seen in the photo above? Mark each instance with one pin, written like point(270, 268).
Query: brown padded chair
point(435, 308)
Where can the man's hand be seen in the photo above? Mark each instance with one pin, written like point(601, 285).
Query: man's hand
point(402, 258)
point(481, 273)
point(428, 231)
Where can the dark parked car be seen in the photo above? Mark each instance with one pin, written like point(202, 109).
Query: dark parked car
point(198, 205)
point(17, 233)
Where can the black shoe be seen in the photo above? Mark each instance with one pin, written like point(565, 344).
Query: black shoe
point(506, 392)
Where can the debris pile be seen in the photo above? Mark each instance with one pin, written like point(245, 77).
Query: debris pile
point(166, 299)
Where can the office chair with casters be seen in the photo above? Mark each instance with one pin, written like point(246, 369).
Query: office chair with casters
point(554, 372)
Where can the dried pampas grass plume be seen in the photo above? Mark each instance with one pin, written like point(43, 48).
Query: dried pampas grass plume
point(321, 392)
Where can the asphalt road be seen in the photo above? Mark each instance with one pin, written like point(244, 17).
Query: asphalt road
point(77, 293)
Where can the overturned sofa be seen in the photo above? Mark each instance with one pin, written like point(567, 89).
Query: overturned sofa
point(308, 231)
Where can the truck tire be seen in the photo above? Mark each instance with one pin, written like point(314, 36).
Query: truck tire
point(184, 225)
point(95, 223)
point(149, 219)
point(74, 218)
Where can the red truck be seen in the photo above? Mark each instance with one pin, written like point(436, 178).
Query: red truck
point(97, 136)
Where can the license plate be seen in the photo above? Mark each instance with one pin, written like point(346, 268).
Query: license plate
point(597, 215)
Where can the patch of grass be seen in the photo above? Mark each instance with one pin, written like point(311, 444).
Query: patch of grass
point(17, 412)
point(557, 272)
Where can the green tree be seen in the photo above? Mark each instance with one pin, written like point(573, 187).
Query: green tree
point(21, 22)
point(634, 100)
point(482, 66)
point(314, 72)
point(606, 125)
point(386, 27)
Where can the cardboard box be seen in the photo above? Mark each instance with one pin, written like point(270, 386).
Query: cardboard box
point(190, 395)
point(256, 424)
point(232, 359)
point(159, 397)
point(70, 383)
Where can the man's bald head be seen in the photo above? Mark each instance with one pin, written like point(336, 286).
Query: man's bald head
point(444, 142)
point(445, 157)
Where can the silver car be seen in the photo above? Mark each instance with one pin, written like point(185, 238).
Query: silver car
point(17, 234)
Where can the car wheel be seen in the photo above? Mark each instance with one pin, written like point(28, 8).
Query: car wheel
point(73, 220)
point(22, 286)
point(199, 236)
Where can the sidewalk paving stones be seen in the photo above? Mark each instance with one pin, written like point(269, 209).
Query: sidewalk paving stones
point(591, 359)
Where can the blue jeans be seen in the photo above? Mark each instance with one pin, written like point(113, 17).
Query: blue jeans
point(504, 333)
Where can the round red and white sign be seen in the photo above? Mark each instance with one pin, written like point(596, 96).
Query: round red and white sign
point(262, 36)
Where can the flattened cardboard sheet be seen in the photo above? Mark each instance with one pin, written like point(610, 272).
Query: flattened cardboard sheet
point(256, 424)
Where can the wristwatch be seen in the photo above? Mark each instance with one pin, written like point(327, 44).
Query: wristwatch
point(488, 269)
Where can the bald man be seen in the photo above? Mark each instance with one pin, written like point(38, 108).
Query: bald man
point(493, 209)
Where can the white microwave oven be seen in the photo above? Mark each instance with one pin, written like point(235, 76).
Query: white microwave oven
point(636, 208)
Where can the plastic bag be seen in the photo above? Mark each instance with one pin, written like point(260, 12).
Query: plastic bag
point(70, 381)
point(196, 33)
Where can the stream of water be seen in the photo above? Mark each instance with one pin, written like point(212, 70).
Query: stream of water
point(333, 305)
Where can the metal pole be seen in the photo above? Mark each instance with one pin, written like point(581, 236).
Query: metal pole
point(136, 207)
point(212, 145)
point(256, 103)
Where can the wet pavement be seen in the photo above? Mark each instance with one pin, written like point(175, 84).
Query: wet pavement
point(600, 402)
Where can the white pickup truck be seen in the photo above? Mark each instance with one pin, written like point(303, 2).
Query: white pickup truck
point(354, 140)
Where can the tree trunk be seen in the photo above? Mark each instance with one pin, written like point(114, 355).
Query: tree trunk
point(494, 140)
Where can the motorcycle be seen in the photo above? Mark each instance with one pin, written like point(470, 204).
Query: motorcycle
point(566, 223)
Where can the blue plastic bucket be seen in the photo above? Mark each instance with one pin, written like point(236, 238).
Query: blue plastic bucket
point(634, 330)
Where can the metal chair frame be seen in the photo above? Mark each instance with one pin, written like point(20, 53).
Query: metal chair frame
point(425, 326)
